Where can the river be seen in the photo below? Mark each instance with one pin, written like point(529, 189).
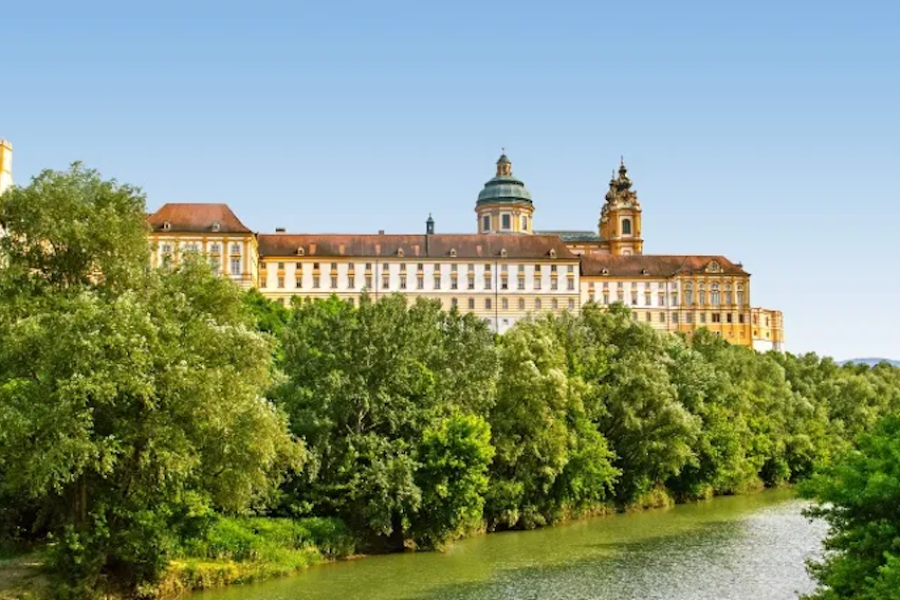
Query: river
point(736, 548)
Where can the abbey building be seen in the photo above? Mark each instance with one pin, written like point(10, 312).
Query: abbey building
point(506, 271)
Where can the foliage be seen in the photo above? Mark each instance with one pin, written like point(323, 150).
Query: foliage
point(130, 401)
point(859, 497)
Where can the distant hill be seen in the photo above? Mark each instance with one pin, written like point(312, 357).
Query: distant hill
point(871, 361)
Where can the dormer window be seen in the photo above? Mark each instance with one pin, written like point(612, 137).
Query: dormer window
point(604, 271)
point(301, 251)
point(216, 226)
point(453, 252)
point(714, 267)
point(401, 253)
point(503, 253)
point(166, 226)
point(552, 252)
point(645, 272)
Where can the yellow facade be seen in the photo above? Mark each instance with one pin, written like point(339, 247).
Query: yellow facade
point(768, 329)
point(6, 179)
point(225, 252)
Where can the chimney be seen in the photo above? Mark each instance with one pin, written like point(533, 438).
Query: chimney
point(280, 230)
point(381, 232)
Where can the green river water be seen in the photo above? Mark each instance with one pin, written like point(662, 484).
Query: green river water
point(745, 547)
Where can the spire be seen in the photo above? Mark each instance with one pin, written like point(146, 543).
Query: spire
point(429, 225)
point(622, 170)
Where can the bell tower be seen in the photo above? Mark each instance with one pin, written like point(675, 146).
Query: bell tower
point(620, 217)
point(5, 165)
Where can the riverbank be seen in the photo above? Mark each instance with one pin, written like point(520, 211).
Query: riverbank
point(732, 548)
point(238, 551)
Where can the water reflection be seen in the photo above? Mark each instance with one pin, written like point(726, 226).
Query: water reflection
point(730, 548)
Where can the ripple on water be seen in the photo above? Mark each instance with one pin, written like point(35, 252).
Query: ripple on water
point(730, 549)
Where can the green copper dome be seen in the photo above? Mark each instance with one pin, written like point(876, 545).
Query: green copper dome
point(504, 187)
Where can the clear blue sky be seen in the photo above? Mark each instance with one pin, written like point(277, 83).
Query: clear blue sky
point(768, 132)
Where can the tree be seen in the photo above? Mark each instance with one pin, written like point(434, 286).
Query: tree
point(131, 401)
point(859, 498)
point(363, 387)
point(549, 457)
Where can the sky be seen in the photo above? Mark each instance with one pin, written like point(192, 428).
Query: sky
point(768, 132)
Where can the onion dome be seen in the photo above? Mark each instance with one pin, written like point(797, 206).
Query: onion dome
point(504, 188)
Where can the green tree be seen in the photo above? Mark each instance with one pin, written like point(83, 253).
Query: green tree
point(454, 455)
point(363, 386)
point(131, 401)
point(549, 457)
point(859, 497)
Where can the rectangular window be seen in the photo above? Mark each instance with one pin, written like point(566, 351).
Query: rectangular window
point(298, 266)
point(487, 303)
point(620, 296)
point(281, 266)
point(605, 298)
point(403, 282)
point(505, 222)
point(647, 316)
point(472, 282)
point(728, 298)
point(504, 284)
point(504, 303)
point(537, 304)
point(315, 266)
point(741, 298)
point(420, 282)
point(661, 299)
point(420, 267)
point(703, 317)
point(521, 283)
point(662, 317)
point(368, 282)
point(235, 248)
point(403, 267)
point(555, 304)
point(537, 268)
point(471, 303)
point(553, 268)
point(729, 318)
point(689, 318)
point(487, 283)
point(716, 318)
point(521, 303)
point(554, 284)
point(453, 267)
point(316, 282)
point(437, 283)
point(235, 266)
point(485, 223)
point(454, 302)
point(334, 282)
point(675, 318)
point(281, 282)
point(741, 319)
point(537, 284)
point(571, 304)
point(262, 282)
point(351, 282)
point(571, 284)
point(385, 282)
point(368, 266)
point(633, 298)
point(453, 284)
point(647, 299)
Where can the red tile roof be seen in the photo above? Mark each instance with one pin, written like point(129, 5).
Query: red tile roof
point(467, 246)
point(649, 265)
point(196, 218)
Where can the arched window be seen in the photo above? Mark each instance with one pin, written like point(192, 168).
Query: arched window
point(524, 223)
point(626, 226)
point(714, 294)
point(689, 294)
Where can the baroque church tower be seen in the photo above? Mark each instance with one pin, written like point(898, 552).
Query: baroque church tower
point(504, 205)
point(620, 217)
